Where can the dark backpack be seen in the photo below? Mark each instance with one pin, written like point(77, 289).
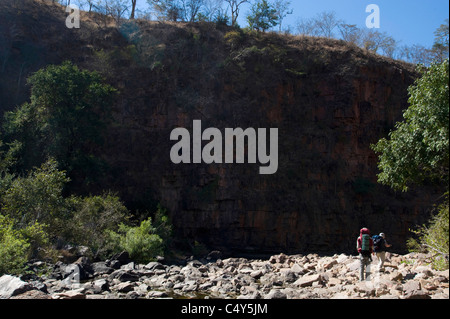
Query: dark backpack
point(377, 243)
point(365, 243)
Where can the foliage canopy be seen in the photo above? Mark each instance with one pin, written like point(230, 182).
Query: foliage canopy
point(263, 16)
point(417, 150)
point(63, 120)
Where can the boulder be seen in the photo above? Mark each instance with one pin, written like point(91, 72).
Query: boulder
point(101, 284)
point(413, 290)
point(12, 286)
point(395, 276)
point(275, 294)
point(154, 265)
point(156, 294)
point(32, 294)
point(71, 294)
point(307, 281)
point(123, 257)
point(125, 287)
point(124, 275)
point(297, 269)
point(353, 266)
point(417, 294)
point(327, 263)
point(101, 268)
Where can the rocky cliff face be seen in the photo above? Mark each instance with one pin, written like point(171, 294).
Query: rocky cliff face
point(329, 101)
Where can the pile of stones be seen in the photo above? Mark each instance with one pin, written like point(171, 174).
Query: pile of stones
point(279, 277)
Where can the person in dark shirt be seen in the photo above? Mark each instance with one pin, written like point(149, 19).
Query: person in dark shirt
point(380, 251)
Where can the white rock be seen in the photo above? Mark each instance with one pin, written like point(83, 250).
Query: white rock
point(306, 281)
point(11, 286)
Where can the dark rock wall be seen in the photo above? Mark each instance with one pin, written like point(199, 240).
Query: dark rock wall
point(329, 101)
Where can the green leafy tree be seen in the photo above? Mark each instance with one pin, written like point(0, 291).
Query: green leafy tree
point(37, 198)
point(7, 160)
point(64, 119)
point(13, 248)
point(418, 149)
point(263, 16)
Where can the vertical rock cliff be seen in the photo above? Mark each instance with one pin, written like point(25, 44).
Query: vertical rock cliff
point(328, 99)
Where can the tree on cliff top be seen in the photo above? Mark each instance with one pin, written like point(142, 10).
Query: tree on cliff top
point(417, 151)
point(263, 16)
point(441, 41)
point(235, 7)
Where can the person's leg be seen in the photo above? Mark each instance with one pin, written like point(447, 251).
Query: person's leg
point(382, 260)
point(378, 254)
point(368, 261)
point(361, 267)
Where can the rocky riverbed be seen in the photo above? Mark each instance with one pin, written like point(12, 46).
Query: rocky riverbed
point(278, 277)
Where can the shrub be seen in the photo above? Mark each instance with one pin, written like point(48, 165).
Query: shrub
point(162, 225)
point(434, 238)
point(234, 38)
point(13, 248)
point(37, 198)
point(141, 242)
point(92, 218)
point(37, 208)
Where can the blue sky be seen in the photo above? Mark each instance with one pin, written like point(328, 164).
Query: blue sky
point(407, 21)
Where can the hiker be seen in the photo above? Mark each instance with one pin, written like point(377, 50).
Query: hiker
point(364, 246)
point(379, 247)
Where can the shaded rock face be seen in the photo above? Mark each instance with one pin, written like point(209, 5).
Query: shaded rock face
point(325, 188)
point(329, 101)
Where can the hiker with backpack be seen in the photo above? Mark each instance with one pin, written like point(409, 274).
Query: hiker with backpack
point(379, 247)
point(364, 246)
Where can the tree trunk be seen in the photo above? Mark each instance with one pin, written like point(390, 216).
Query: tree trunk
point(133, 8)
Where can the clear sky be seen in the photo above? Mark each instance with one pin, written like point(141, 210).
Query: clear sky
point(407, 21)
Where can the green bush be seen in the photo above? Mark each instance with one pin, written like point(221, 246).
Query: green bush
point(141, 242)
point(37, 198)
point(234, 38)
point(37, 208)
point(92, 218)
point(163, 226)
point(35, 213)
point(434, 238)
point(13, 248)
